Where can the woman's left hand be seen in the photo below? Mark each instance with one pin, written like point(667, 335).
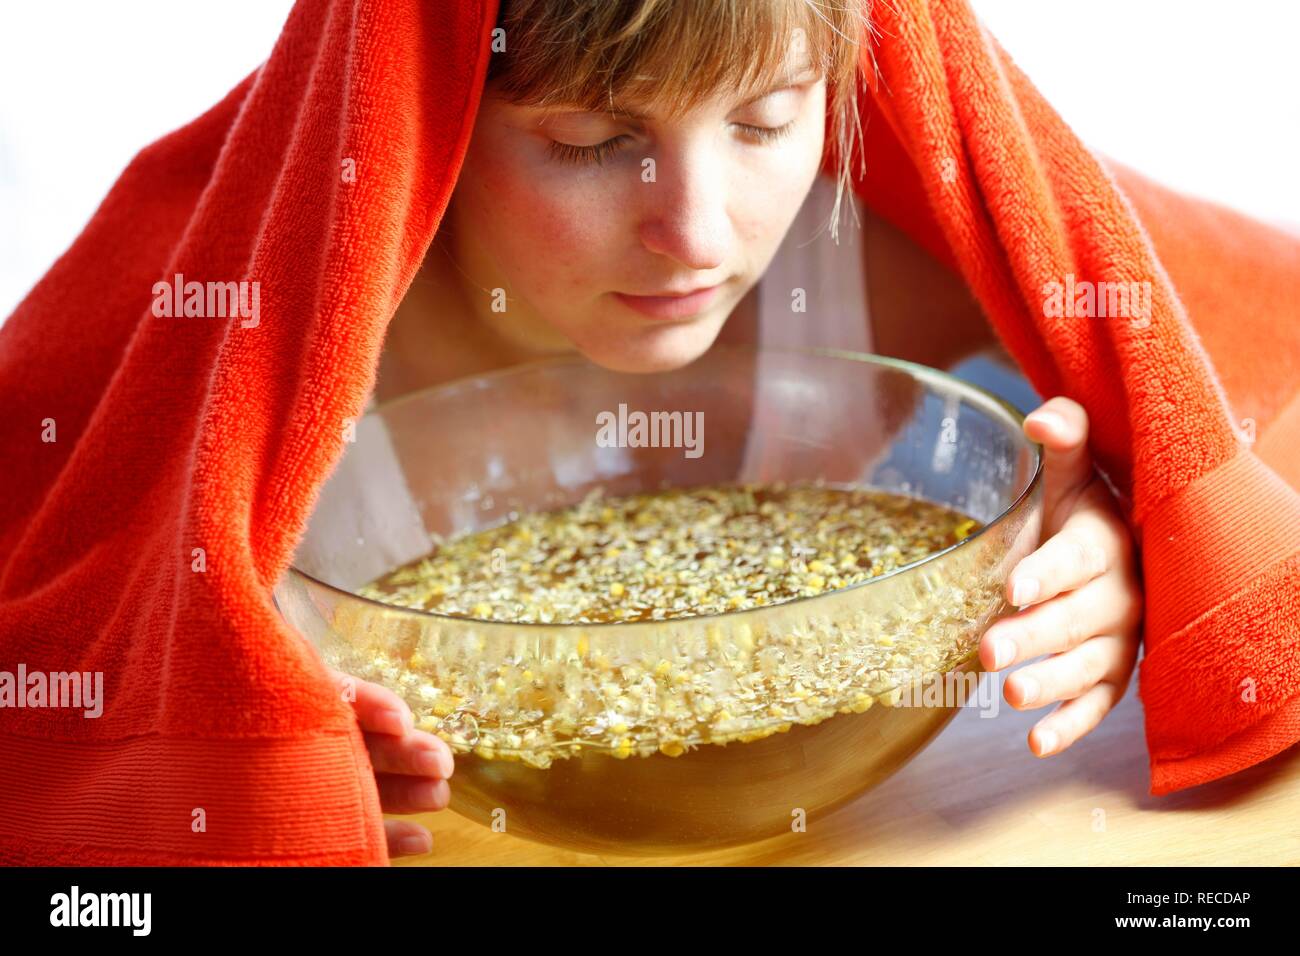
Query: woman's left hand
point(1083, 595)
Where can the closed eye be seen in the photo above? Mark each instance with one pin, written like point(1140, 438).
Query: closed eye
point(766, 134)
point(599, 152)
point(580, 155)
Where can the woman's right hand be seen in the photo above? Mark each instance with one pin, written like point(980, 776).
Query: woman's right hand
point(412, 766)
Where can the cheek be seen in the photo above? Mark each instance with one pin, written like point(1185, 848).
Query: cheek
point(543, 230)
point(774, 188)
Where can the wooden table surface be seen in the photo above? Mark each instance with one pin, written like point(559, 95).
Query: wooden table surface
point(977, 796)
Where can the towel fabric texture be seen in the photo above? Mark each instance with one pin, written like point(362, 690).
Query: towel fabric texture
point(159, 470)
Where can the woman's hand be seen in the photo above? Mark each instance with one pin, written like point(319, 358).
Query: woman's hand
point(1081, 587)
point(412, 767)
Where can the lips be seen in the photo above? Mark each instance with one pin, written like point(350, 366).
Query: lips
point(670, 293)
point(669, 305)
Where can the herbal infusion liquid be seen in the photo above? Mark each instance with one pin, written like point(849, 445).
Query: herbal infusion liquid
point(611, 740)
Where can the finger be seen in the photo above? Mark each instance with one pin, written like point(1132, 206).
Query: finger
point(1104, 606)
point(1075, 718)
point(399, 793)
point(1080, 552)
point(1068, 675)
point(418, 753)
point(407, 839)
point(1060, 425)
point(378, 709)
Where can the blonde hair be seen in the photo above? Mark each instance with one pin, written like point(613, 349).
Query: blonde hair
point(673, 54)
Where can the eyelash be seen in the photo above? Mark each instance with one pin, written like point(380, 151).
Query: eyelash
point(579, 155)
point(597, 154)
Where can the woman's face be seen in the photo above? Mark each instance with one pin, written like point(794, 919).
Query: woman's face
point(591, 222)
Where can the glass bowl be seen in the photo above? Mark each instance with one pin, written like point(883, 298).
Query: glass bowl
point(474, 453)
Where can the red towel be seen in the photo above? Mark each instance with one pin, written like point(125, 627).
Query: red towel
point(143, 541)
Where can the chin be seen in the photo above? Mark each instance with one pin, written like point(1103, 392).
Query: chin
point(654, 348)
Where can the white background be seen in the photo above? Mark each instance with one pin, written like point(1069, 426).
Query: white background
point(1175, 88)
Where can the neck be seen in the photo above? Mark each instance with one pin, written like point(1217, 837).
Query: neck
point(436, 335)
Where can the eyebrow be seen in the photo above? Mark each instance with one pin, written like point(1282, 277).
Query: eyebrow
point(805, 75)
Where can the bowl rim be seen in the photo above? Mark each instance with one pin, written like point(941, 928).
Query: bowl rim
point(916, 370)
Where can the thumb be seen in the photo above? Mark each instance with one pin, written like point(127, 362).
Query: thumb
point(1060, 425)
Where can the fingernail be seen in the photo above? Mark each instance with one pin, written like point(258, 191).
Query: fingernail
point(432, 763)
point(390, 721)
point(425, 794)
point(412, 845)
point(1050, 420)
point(1004, 652)
point(1047, 742)
point(1028, 690)
point(1023, 591)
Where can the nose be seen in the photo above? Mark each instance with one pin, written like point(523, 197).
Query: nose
point(685, 209)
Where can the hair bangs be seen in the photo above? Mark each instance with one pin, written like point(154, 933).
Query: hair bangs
point(663, 55)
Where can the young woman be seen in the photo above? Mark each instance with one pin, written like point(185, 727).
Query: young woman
point(644, 180)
